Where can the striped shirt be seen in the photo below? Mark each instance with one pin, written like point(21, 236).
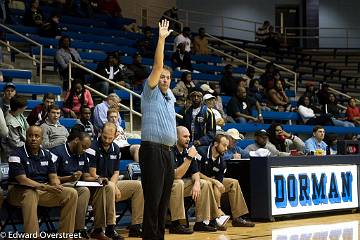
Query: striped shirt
point(158, 121)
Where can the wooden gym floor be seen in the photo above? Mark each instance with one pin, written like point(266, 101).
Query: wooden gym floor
point(344, 226)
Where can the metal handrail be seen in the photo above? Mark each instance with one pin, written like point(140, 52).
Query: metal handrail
point(256, 56)
point(33, 42)
point(19, 51)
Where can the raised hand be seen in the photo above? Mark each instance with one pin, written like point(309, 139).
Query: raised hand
point(164, 30)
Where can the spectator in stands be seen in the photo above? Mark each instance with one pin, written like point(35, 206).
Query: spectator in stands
point(240, 107)
point(267, 78)
point(213, 168)
point(353, 112)
point(284, 141)
point(263, 32)
point(55, 134)
point(146, 45)
point(200, 121)
point(183, 37)
point(277, 99)
point(229, 83)
point(63, 56)
point(172, 16)
point(39, 114)
point(32, 166)
point(200, 43)
point(183, 88)
point(310, 91)
point(104, 156)
point(316, 145)
point(332, 108)
point(250, 74)
point(187, 183)
point(323, 94)
point(51, 28)
point(100, 111)
point(215, 91)
point(209, 101)
point(72, 165)
point(9, 92)
point(181, 59)
point(308, 116)
point(139, 72)
point(33, 16)
point(75, 98)
point(261, 141)
point(256, 92)
point(266, 35)
point(127, 151)
point(84, 124)
point(234, 151)
point(17, 125)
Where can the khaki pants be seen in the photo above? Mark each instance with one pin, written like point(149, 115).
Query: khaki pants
point(103, 203)
point(236, 198)
point(133, 189)
point(81, 208)
point(206, 207)
point(30, 199)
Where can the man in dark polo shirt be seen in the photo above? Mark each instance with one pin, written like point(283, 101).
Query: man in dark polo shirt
point(72, 165)
point(188, 183)
point(32, 170)
point(213, 168)
point(158, 135)
point(104, 157)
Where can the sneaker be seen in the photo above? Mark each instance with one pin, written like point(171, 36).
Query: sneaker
point(135, 231)
point(240, 222)
point(113, 235)
point(222, 220)
point(202, 227)
point(180, 229)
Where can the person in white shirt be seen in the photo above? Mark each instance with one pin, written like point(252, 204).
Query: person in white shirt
point(183, 37)
point(308, 116)
point(127, 151)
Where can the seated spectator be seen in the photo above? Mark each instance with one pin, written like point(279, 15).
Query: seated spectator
point(215, 91)
point(113, 70)
point(250, 73)
point(183, 37)
point(146, 45)
point(263, 32)
point(181, 60)
point(257, 92)
point(277, 99)
point(139, 71)
point(17, 125)
point(32, 170)
point(267, 78)
point(353, 112)
point(240, 107)
point(127, 151)
point(51, 28)
point(332, 108)
point(100, 110)
point(261, 141)
point(200, 43)
point(75, 98)
point(172, 16)
point(39, 114)
point(33, 16)
point(323, 94)
point(284, 141)
point(63, 56)
point(308, 116)
point(234, 151)
point(213, 168)
point(9, 92)
point(310, 91)
point(315, 145)
point(84, 124)
point(209, 101)
point(200, 121)
point(183, 88)
point(229, 83)
point(54, 134)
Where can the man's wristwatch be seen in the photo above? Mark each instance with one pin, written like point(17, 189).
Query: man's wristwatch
point(190, 158)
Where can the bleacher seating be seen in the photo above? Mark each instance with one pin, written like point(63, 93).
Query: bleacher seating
point(35, 88)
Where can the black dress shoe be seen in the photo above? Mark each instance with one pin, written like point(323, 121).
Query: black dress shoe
point(135, 231)
point(240, 222)
point(113, 235)
point(180, 229)
point(214, 224)
point(202, 227)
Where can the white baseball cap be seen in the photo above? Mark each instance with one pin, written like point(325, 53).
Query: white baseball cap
point(207, 97)
point(206, 88)
point(234, 133)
